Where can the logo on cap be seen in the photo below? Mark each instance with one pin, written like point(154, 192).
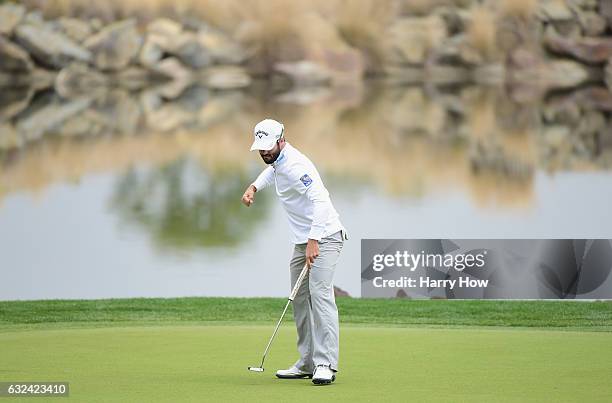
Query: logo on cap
point(259, 133)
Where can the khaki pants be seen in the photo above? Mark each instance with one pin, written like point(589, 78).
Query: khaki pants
point(314, 306)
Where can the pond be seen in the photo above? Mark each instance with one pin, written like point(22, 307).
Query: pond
point(138, 194)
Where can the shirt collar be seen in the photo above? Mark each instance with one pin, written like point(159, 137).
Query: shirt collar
point(281, 157)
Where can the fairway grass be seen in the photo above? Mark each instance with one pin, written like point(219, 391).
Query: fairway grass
point(208, 364)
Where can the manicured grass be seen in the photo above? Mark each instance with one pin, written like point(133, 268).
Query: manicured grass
point(373, 312)
point(208, 363)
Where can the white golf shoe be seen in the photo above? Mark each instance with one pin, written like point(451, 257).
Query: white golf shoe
point(292, 373)
point(323, 375)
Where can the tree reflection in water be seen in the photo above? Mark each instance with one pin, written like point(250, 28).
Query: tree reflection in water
point(185, 206)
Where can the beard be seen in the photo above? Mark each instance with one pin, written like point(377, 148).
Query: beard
point(271, 156)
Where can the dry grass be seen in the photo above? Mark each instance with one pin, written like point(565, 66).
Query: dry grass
point(363, 23)
point(481, 32)
point(522, 9)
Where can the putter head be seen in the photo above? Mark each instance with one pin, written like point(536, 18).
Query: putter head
point(256, 369)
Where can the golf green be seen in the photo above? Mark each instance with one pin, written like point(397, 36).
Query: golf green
point(209, 363)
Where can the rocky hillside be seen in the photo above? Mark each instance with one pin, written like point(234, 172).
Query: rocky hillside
point(554, 43)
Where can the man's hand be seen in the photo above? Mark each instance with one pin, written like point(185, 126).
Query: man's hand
point(249, 195)
point(312, 251)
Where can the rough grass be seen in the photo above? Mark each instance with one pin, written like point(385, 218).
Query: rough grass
point(537, 314)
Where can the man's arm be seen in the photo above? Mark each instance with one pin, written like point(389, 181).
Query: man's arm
point(312, 186)
point(265, 179)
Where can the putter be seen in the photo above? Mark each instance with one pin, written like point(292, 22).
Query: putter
point(296, 287)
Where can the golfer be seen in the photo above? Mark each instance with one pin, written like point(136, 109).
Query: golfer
point(318, 236)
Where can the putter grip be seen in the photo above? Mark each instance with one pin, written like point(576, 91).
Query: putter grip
point(296, 287)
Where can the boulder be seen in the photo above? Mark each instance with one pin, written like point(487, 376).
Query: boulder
point(226, 77)
point(114, 46)
point(221, 48)
point(164, 27)
point(304, 73)
point(591, 50)
point(14, 101)
point(564, 74)
point(339, 292)
point(190, 51)
point(78, 79)
point(605, 10)
point(592, 24)
point(150, 53)
point(13, 58)
point(132, 78)
point(50, 48)
point(554, 10)
point(173, 69)
point(10, 15)
point(47, 118)
point(75, 29)
point(608, 74)
point(410, 40)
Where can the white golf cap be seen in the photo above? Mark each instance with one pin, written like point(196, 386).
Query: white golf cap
point(267, 133)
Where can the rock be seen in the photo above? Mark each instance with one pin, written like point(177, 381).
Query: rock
point(339, 292)
point(50, 48)
point(226, 77)
point(164, 27)
point(221, 48)
point(304, 95)
point(564, 74)
point(132, 78)
point(75, 29)
point(114, 46)
point(10, 15)
point(13, 58)
point(96, 24)
point(453, 18)
point(608, 74)
point(568, 28)
point(410, 40)
point(189, 50)
point(446, 74)
point(605, 10)
point(119, 110)
point(489, 74)
point(554, 10)
point(591, 50)
point(304, 73)
point(592, 24)
point(401, 293)
point(14, 101)
point(80, 125)
point(150, 53)
point(35, 18)
point(163, 33)
point(172, 68)
point(398, 75)
point(42, 79)
point(47, 118)
point(79, 79)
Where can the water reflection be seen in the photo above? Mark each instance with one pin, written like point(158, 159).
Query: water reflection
point(420, 161)
point(182, 206)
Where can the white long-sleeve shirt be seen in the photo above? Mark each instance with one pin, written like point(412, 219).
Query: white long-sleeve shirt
point(303, 195)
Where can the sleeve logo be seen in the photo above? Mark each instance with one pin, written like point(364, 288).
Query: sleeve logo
point(306, 180)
